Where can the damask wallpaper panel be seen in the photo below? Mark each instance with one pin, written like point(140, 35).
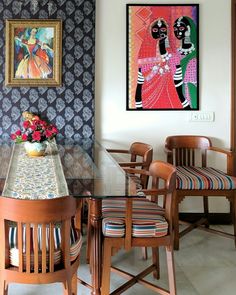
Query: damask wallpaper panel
point(70, 107)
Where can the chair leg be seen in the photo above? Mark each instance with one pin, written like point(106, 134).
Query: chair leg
point(144, 253)
point(231, 210)
point(82, 218)
point(74, 284)
point(78, 217)
point(67, 287)
point(234, 216)
point(171, 270)
point(176, 222)
point(3, 287)
point(206, 210)
point(88, 248)
point(106, 269)
point(6, 289)
point(155, 260)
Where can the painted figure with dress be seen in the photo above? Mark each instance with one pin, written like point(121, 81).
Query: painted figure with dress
point(33, 53)
point(155, 85)
point(185, 77)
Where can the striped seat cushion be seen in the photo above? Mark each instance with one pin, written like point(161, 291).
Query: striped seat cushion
point(147, 220)
point(203, 178)
point(75, 245)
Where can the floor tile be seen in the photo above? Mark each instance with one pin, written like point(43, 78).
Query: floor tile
point(205, 265)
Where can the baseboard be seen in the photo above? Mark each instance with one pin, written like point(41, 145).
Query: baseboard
point(213, 218)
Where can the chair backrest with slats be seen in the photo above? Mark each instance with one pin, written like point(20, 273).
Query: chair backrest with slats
point(145, 151)
point(187, 150)
point(31, 217)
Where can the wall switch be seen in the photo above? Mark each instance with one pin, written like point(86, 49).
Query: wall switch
point(202, 116)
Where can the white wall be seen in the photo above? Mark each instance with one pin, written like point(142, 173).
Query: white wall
point(116, 127)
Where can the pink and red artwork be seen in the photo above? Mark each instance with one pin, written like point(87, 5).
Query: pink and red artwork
point(162, 57)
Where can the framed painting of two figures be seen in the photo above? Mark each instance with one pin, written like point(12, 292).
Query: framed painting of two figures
point(162, 57)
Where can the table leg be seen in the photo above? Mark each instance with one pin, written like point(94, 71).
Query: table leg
point(96, 249)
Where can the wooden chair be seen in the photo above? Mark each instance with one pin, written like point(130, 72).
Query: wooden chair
point(195, 178)
point(139, 222)
point(140, 157)
point(31, 250)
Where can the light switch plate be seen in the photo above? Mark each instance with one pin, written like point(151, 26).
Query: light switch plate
point(202, 117)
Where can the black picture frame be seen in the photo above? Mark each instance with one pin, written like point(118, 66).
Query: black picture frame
point(162, 57)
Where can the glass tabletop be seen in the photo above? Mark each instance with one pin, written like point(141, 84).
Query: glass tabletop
point(88, 168)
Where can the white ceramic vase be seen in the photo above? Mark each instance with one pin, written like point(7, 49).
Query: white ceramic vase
point(35, 149)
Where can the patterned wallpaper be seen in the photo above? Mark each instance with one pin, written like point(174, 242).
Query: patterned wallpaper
point(70, 107)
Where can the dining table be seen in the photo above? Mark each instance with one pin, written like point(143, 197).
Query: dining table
point(88, 171)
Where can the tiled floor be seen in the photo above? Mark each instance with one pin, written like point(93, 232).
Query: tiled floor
point(205, 265)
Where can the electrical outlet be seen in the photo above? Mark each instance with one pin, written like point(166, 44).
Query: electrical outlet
point(202, 117)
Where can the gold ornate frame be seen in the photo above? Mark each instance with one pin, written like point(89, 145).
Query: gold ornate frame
point(11, 25)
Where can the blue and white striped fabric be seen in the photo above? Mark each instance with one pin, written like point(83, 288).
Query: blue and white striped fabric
point(147, 219)
point(75, 242)
point(56, 232)
point(200, 178)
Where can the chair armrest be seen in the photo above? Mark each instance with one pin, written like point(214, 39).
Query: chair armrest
point(118, 151)
point(219, 150)
point(131, 164)
point(230, 158)
point(136, 171)
point(155, 192)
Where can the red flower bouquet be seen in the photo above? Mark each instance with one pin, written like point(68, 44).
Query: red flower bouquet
point(35, 130)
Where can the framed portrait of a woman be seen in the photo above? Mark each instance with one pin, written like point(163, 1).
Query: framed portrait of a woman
point(33, 52)
point(162, 57)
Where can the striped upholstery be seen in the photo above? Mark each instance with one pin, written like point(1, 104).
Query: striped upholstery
point(203, 178)
point(147, 220)
point(75, 242)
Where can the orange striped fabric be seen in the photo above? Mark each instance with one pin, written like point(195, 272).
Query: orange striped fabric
point(147, 218)
point(203, 178)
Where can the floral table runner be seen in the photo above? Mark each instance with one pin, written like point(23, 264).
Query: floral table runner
point(35, 178)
